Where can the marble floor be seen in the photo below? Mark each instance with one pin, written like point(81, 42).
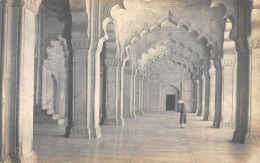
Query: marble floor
point(154, 137)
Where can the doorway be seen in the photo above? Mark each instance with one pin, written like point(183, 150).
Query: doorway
point(170, 102)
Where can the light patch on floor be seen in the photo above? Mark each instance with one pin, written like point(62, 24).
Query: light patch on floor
point(154, 137)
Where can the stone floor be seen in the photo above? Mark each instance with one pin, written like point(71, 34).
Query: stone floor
point(152, 138)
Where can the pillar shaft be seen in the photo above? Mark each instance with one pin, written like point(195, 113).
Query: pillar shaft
point(228, 102)
point(77, 91)
point(218, 94)
point(195, 88)
point(145, 95)
point(212, 93)
point(118, 94)
point(242, 92)
point(17, 26)
point(111, 106)
point(97, 103)
point(132, 95)
point(39, 64)
point(207, 96)
point(140, 106)
point(127, 94)
point(200, 98)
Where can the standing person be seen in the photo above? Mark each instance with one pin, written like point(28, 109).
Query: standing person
point(182, 110)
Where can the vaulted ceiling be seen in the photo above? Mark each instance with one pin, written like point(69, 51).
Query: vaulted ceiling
point(188, 29)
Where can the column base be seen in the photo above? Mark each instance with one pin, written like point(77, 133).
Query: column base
point(227, 124)
point(239, 137)
point(199, 113)
point(205, 118)
point(79, 132)
point(96, 132)
point(31, 158)
point(252, 137)
point(121, 122)
point(133, 115)
point(111, 122)
point(216, 124)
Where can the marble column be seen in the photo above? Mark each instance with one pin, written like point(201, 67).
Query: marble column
point(199, 111)
point(212, 92)
point(111, 68)
point(145, 91)
point(132, 95)
point(203, 93)
point(40, 57)
point(195, 98)
point(243, 71)
point(140, 106)
point(119, 81)
point(207, 95)
point(253, 134)
point(16, 81)
point(137, 93)
point(218, 93)
point(242, 92)
point(98, 81)
point(85, 37)
point(228, 81)
point(77, 113)
point(127, 93)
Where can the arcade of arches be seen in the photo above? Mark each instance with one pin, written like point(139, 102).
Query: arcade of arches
point(90, 63)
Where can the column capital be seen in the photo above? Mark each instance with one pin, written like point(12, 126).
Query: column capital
point(212, 72)
point(254, 44)
point(32, 5)
point(228, 62)
point(80, 44)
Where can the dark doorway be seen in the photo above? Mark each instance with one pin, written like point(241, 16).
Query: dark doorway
point(170, 102)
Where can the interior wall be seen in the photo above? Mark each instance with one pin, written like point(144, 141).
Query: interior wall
point(159, 82)
point(168, 90)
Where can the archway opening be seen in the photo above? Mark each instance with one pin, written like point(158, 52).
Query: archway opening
point(170, 102)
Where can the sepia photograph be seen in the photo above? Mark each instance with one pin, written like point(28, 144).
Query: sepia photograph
point(129, 81)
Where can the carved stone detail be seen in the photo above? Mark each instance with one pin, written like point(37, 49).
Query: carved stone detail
point(80, 44)
point(253, 138)
point(254, 44)
point(212, 73)
point(31, 158)
point(79, 131)
point(32, 5)
point(227, 124)
point(228, 63)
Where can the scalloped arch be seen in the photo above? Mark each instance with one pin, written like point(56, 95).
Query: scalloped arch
point(159, 49)
point(230, 13)
point(177, 22)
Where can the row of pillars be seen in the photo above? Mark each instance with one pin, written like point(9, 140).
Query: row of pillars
point(215, 93)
